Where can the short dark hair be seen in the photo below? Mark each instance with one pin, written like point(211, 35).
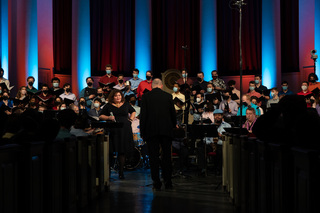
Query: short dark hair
point(252, 82)
point(228, 91)
point(88, 78)
point(255, 97)
point(135, 70)
point(284, 82)
point(120, 75)
point(97, 99)
point(44, 85)
point(149, 71)
point(200, 72)
point(55, 79)
point(258, 75)
point(275, 88)
point(109, 65)
point(1, 70)
point(231, 82)
point(214, 71)
point(209, 83)
point(312, 75)
point(66, 84)
point(252, 110)
point(31, 77)
point(305, 82)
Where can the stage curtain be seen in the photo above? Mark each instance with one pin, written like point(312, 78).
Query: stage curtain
point(112, 36)
point(175, 24)
point(228, 37)
point(62, 34)
point(290, 36)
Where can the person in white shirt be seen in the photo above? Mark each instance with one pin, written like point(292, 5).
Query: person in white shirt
point(68, 94)
point(120, 85)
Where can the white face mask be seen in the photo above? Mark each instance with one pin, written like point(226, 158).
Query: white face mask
point(304, 88)
point(55, 84)
point(198, 100)
point(96, 105)
point(62, 108)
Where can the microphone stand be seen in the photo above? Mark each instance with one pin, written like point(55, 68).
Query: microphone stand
point(240, 3)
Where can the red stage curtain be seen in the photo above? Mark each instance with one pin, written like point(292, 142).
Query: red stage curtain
point(62, 34)
point(174, 24)
point(112, 35)
point(228, 38)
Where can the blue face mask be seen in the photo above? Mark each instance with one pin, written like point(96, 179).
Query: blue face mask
point(108, 72)
point(135, 75)
point(175, 89)
point(184, 75)
point(209, 90)
point(251, 88)
point(272, 94)
point(284, 87)
point(256, 81)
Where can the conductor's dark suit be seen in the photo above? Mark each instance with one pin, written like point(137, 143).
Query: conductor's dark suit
point(157, 120)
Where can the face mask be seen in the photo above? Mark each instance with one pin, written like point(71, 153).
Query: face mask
point(225, 97)
point(5, 98)
point(209, 90)
point(148, 78)
point(284, 87)
point(312, 81)
point(30, 83)
point(99, 94)
point(198, 100)
point(82, 103)
point(184, 75)
point(90, 84)
point(256, 81)
point(199, 79)
point(232, 88)
point(96, 105)
point(304, 88)
point(57, 103)
point(272, 94)
point(68, 90)
point(120, 81)
point(40, 111)
point(132, 102)
point(62, 108)
point(1, 75)
point(32, 103)
point(251, 88)
point(55, 85)
point(214, 77)
point(135, 75)
point(175, 89)
point(245, 104)
point(108, 72)
point(45, 92)
point(0, 91)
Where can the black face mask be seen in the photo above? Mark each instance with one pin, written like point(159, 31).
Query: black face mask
point(226, 97)
point(45, 92)
point(312, 81)
point(120, 81)
point(82, 103)
point(1, 75)
point(68, 90)
point(214, 77)
point(133, 102)
point(232, 88)
point(148, 78)
point(245, 104)
point(32, 103)
point(5, 98)
point(99, 94)
point(90, 84)
point(199, 79)
point(57, 103)
point(30, 83)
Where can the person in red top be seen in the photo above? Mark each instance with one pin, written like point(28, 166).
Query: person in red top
point(305, 92)
point(108, 78)
point(252, 91)
point(145, 85)
point(44, 98)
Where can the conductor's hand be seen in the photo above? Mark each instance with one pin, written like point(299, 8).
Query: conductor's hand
point(111, 118)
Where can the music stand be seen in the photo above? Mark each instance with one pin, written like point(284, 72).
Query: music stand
point(201, 131)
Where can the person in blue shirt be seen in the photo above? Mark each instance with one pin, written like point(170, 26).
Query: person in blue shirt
point(127, 91)
point(135, 81)
point(285, 90)
point(6, 104)
point(246, 102)
point(89, 92)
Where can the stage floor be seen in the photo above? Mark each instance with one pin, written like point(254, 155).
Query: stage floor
point(135, 194)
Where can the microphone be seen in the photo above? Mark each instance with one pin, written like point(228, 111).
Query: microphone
point(111, 114)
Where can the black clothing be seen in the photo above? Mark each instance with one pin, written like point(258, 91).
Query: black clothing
point(121, 139)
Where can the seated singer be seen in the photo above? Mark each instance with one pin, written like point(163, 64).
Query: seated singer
point(121, 141)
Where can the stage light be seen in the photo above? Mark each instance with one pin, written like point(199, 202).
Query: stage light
point(208, 37)
point(4, 37)
point(143, 37)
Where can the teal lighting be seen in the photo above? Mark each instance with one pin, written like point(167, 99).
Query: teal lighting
point(4, 37)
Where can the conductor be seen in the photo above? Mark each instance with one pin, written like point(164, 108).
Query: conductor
point(157, 120)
